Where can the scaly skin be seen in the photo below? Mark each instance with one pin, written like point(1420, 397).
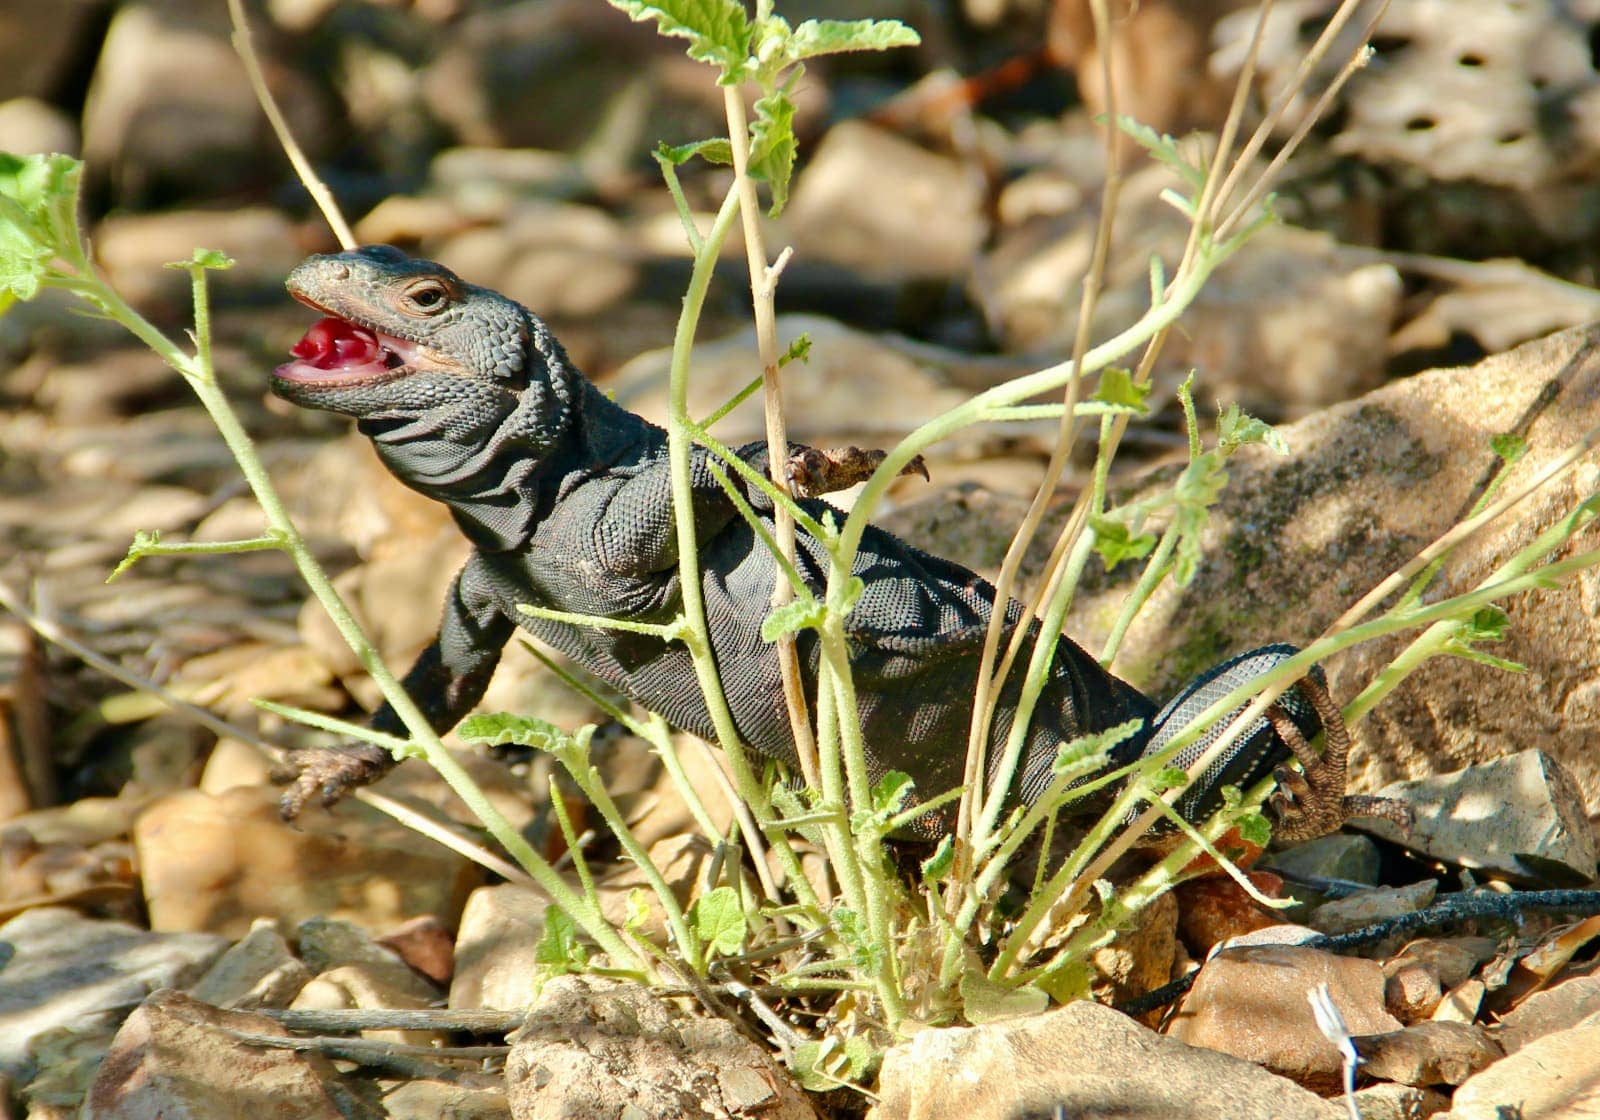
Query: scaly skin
point(566, 498)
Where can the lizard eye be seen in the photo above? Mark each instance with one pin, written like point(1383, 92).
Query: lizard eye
point(427, 296)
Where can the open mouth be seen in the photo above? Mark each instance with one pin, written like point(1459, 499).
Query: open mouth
point(339, 351)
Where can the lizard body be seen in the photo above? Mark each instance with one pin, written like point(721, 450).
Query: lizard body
point(566, 499)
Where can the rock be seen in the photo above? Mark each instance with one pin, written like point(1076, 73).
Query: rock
point(59, 969)
point(1541, 833)
point(560, 260)
point(1452, 959)
point(592, 1049)
point(1557, 1076)
point(923, 217)
point(1140, 959)
point(425, 945)
point(1294, 542)
point(29, 126)
point(1461, 1003)
point(257, 971)
point(1388, 1101)
point(1427, 1053)
point(169, 108)
point(176, 1058)
point(38, 42)
point(857, 389)
point(1556, 1008)
point(135, 248)
point(434, 1100)
point(372, 986)
point(1215, 909)
point(330, 942)
point(683, 862)
point(1083, 1060)
point(218, 863)
point(497, 948)
point(1368, 907)
point(1346, 856)
point(1412, 991)
point(1251, 1002)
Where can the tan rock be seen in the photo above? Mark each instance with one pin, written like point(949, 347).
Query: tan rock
point(177, 1058)
point(496, 948)
point(1251, 1002)
point(1540, 834)
point(1369, 906)
point(1556, 1077)
point(593, 1049)
point(257, 971)
point(1428, 1053)
point(1557, 1008)
point(1368, 484)
point(371, 986)
point(924, 215)
point(218, 863)
point(1081, 1060)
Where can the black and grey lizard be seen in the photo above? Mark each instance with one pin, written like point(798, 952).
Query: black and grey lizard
point(565, 497)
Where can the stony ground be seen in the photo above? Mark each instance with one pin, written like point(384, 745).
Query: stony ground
point(940, 230)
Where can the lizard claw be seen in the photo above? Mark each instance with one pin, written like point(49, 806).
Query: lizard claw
point(328, 775)
point(813, 471)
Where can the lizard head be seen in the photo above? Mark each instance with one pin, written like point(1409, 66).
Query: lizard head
point(399, 333)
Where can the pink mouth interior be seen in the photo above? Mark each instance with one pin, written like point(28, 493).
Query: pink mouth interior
point(343, 349)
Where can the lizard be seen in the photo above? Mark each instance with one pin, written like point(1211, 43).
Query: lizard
point(565, 497)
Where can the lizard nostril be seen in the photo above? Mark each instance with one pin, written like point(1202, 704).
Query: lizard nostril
point(339, 271)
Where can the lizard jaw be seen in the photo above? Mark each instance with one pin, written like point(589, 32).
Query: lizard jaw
point(343, 353)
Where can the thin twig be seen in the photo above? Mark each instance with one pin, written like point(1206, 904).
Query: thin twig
point(244, 43)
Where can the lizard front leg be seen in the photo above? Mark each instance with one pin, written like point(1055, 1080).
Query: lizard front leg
point(1312, 802)
point(447, 679)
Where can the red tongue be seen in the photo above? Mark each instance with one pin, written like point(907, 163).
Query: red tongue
point(336, 344)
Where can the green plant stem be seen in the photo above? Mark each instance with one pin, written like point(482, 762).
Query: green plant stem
point(697, 635)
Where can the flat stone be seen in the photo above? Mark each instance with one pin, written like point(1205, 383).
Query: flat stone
point(1557, 1008)
point(434, 1100)
point(1388, 1101)
point(1556, 1077)
point(1251, 1002)
point(1428, 1053)
point(218, 863)
point(257, 971)
point(1541, 831)
point(59, 969)
point(1367, 907)
point(1083, 1060)
point(176, 1059)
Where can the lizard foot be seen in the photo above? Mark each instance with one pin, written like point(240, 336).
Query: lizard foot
point(328, 775)
point(815, 471)
point(1311, 802)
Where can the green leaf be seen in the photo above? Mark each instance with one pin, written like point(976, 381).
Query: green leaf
point(938, 865)
point(799, 350)
point(38, 219)
point(559, 950)
point(865, 954)
point(1089, 752)
point(772, 146)
point(823, 1064)
point(719, 920)
point(1235, 428)
point(636, 910)
point(211, 259)
point(1163, 147)
point(145, 541)
point(712, 151)
point(504, 728)
point(984, 1001)
point(792, 617)
point(1116, 542)
point(1509, 446)
point(1117, 394)
point(1168, 777)
point(832, 36)
point(1070, 982)
point(718, 30)
point(1254, 829)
